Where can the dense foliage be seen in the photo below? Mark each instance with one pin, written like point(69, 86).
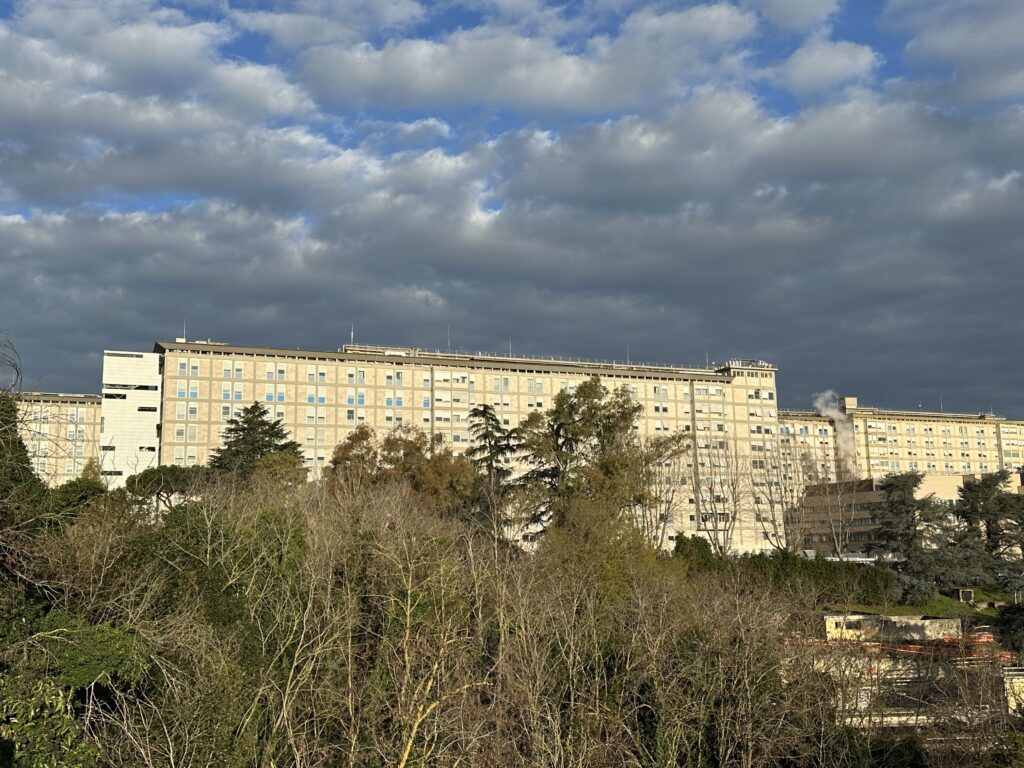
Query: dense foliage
point(240, 616)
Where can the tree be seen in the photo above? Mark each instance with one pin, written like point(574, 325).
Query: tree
point(723, 489)
point(494, 448)
point(250, 437)
point(581, 438)
point(985, 504)
point(441, 481)
point(926, 544)
point(164, 483)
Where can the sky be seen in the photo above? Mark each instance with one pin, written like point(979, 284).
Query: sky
point(833, 186)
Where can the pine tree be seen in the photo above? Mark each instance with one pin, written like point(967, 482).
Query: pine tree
point(250, 437)
point(16, 475)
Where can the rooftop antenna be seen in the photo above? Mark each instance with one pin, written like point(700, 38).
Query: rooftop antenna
point(184, 325)
point(627, 354)
point(707, 358)
point(940, 403)
point(449, 339)
point(510, 346)
point(352, 334)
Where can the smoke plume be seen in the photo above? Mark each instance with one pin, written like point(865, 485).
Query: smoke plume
point(827, 404)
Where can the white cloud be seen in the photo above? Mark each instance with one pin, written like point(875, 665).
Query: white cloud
point(821, 64)
point(653, 56)
point(977, 44)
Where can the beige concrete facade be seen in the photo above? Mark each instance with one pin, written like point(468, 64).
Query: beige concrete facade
point(61, 433)
point(322, 396)
point(895, 441)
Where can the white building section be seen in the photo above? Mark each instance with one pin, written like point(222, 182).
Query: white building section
point(130, 423)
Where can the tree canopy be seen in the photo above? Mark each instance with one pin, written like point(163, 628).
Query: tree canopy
point(250, 437)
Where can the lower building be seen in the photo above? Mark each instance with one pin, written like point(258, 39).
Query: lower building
point(840, 518)
point(61, 433)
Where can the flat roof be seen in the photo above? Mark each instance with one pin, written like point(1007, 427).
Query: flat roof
point(57, 397)
point(480, 360)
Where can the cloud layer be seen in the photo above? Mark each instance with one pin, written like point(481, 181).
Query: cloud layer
point(757, 178)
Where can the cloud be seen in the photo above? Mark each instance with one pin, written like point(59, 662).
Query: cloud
point(975, 45)
point(795, 14)
point(653, 55)
point(577, 181)
point(821, 64)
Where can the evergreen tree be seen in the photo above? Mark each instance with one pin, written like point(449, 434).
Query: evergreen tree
point(495, 446)
point(17, 480)
point(250, 437)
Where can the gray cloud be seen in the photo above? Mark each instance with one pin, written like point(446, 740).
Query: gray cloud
point(868, 242)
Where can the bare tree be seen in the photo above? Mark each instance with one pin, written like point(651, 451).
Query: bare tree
point(722, 489)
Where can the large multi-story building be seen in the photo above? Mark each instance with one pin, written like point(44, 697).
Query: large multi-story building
point(748, 461)
point(171, 407)
point(321, 396)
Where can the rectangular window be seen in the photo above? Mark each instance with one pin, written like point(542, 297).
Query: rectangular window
point(180, 388)
point(238, 371)
point(270, 395)
point(182, 368)
point(227, 371)
point(225, 412)
point(350, 416)
point(238, 392)
point(426, 402)
point(280, 374)
point(280, 394)
point(193, 368)
point(398, 401)
point(193, 389)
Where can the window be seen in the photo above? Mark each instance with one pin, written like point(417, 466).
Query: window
point(179, 411)
point(182, 368)
point(226, 373)
point(350, 416)
point(280, 374)
point(426, 402)
point(193, 368)
point(280, 394)
point(270, 395)
point(225, 412)
point(238, 392)
point(193, 412)
point(180, 388)
point(238, 371)
point(193, 389)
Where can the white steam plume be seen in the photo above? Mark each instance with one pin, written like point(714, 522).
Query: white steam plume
point(827, 404)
